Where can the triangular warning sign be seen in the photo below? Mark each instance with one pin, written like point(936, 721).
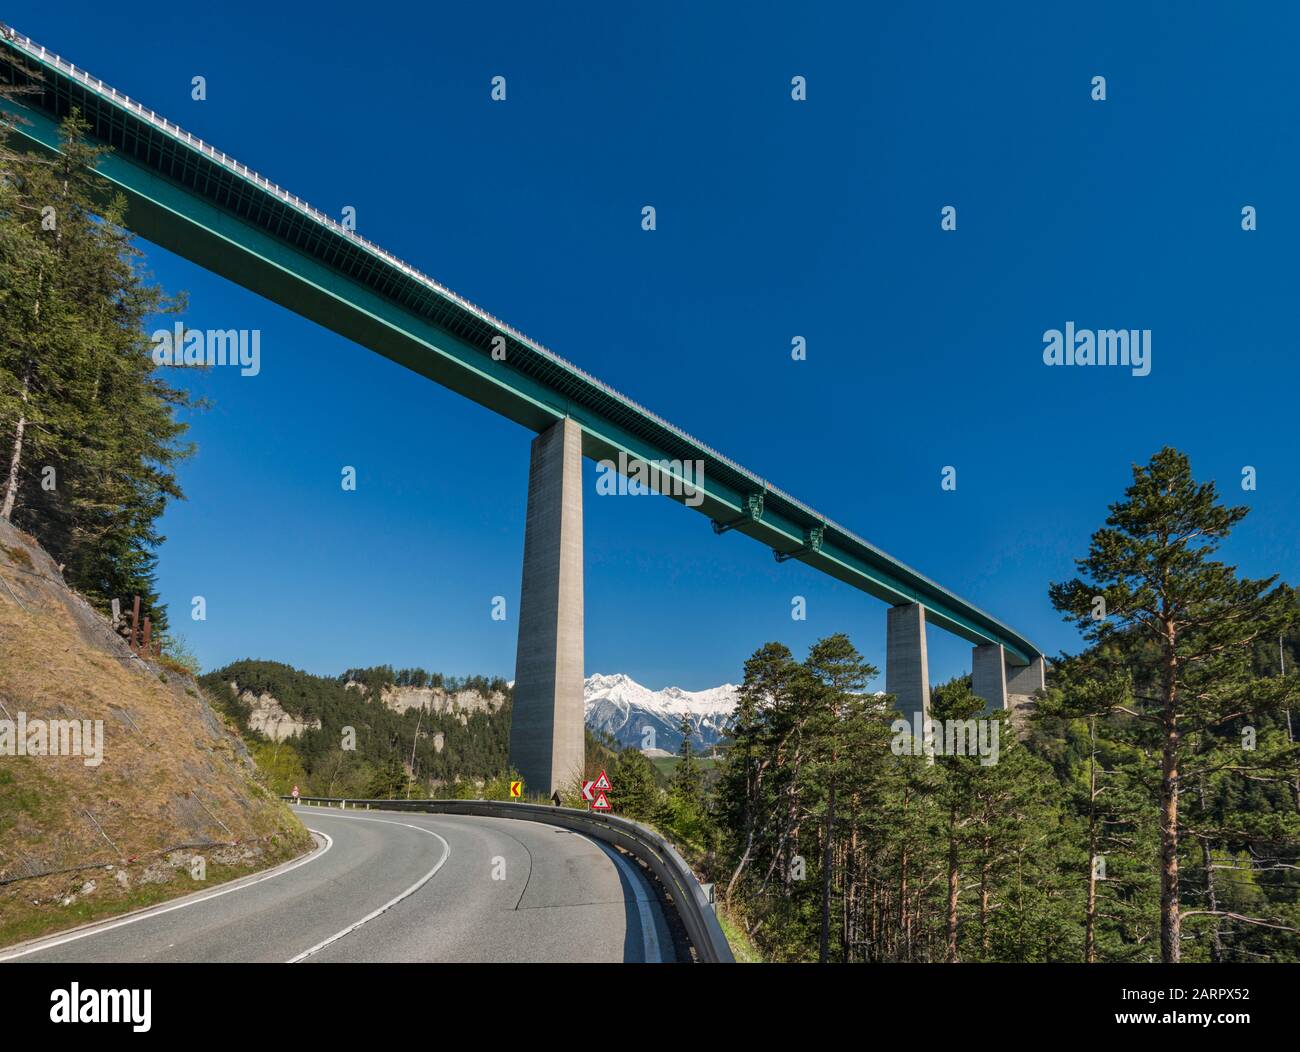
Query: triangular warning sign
point(603, 781)
point(601, 803)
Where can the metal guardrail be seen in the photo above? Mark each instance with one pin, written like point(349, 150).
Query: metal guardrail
point(689, 898)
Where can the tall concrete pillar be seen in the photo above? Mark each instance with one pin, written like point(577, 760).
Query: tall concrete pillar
point(989, 675)
point(907, 673)
point(546, 730)
point(1024, 680)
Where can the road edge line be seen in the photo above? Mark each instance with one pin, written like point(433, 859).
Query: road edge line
point(446, 854)
point(50, 942)
point(649, 930)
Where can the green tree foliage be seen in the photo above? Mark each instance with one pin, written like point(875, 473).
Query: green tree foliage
point(840, 844)
point(389, 781)
point(687, 781)
point(497, 788)
point(1186, 629)
point(839, 732)
point(1144, 807)
point(89, 435)
point(637, 794)
point(281, 767)
point(1113, 835)
point(473, 749)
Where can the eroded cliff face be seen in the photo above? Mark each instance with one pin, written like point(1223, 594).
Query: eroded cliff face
point(268, 717)
point(436, 699)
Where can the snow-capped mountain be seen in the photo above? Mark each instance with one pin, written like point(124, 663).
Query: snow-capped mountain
point(651, 719)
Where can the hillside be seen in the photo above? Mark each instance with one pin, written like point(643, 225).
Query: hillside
point(432, 731)
point(157, 780)
point(405, 724)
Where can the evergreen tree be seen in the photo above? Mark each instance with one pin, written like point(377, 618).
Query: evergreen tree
point(1096, 753)
point(636, 794)
point(842, 751)
point(89, 435)
point(1187, 626)
point(955, 793)
point(686, 778)
point(390, 781)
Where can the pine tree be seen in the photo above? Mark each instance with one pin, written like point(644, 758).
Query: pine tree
point(956, 790)
point(1099, 760)
point(837, 726)
point(686, 778)
point(89, 438)
point(637, 795)
point(1186, 625)
point(754, 781)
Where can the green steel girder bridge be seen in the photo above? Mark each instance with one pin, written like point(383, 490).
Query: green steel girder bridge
point(202, 204)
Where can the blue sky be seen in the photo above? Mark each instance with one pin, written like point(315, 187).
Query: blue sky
point(775, 219)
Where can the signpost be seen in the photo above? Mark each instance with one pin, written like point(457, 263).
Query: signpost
point(594, 792)
point(516, 790)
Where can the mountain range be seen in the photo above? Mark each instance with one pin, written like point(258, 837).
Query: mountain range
point(650, 720)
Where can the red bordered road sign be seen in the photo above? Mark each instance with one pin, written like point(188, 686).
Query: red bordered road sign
point(589, 791)
point(603, 781)
point(601, 804)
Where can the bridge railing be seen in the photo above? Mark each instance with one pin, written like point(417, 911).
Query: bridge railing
point(688, 897)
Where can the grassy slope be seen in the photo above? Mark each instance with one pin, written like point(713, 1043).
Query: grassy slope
point(174, 783)
point(666, 765)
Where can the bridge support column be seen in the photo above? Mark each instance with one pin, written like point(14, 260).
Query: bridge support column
point(546, 730)
point(988, 677)
point(1001, 684)
point(1024, 680)
point(907, 672)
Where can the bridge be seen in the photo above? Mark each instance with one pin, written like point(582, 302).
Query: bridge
point(202, 204)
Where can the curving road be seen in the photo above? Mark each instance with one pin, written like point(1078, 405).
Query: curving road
point(402, 887)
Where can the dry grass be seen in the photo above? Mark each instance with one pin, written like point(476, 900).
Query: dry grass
point(172, 773)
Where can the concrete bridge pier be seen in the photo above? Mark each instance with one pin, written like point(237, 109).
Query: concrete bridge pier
point(988, 668)
point(546, 730)
point(1023, 681)
point(907, 672)
point(1001, 684)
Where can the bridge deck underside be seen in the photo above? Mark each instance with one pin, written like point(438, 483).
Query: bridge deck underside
point(232, 223)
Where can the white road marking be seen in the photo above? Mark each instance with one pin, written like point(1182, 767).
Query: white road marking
point(446, 853)
point(160, 910)
point(649, 933)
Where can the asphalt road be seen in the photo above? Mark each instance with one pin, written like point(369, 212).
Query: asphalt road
point(402, 887)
